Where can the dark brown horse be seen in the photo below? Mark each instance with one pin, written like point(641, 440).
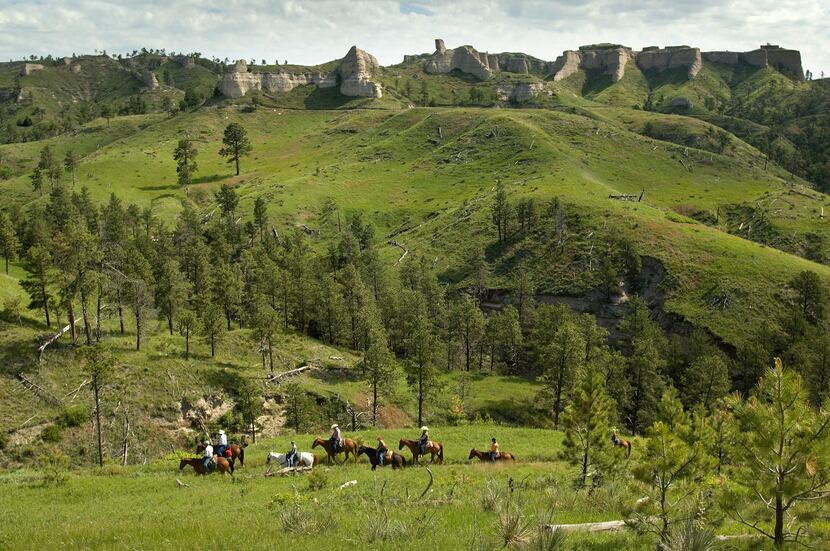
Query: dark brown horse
point(349, 447)
point(223, 465)
point(397, 461)
point(432, 448)
point(237, 451)
point(621, 442)
point(485, 456)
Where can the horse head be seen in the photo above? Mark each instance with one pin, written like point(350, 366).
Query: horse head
point(364, 449)
point(317, 442)
point(472, 453)
point(401, 444)
point(200, 447)
point(183, 463)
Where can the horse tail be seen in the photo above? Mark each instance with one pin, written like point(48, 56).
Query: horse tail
point(314, 460)
point(441, 452)
point(230, 460)
point(241, 457)
point(628, 451)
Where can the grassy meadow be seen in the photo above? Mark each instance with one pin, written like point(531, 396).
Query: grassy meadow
point(142, 507)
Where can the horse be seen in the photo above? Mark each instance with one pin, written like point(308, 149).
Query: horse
point(237, 451)
point(223, 465)
point(432, 448)
point(398, 461)
point(622, 443)
point(304, 459)
point(485, 456)
point(349, 447)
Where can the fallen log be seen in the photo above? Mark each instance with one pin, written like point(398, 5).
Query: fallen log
point(288, 470)
point(276, 377)
point(55, 337)
point(607, 526)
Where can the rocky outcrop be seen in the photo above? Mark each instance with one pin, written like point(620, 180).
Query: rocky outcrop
point(75, 68)
point(356, 71)
point(29, 68)
point(519, 93)
point(611, 59)
point(783, 60)
point(150, 80)
point(671, 57)
point(464, 58)
point(353, 73)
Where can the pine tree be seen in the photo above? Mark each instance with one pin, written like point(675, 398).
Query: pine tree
point(421, 345)
point(37, 264)
point(378, 365)
point(98, 362)
point(470, 326)
point(37, 180)
point(667, 468)
point(563, 357)
point(185, 157)
point(501, 212)
point(706, 380)
point(236, 143)
point(780, 471)
point(212, 326)
point(70, 163)
point(187, 322)
point(249, 404)
point(9, 244)
point(260, 216)
point(586, 421)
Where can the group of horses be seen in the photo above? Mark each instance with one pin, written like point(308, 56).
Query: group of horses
point(350, 448)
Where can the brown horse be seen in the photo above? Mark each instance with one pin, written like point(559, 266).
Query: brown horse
point(485, 456)
point(237, 451)
point(622, 443)
point(223, 465)
point(349, 447)
point(397, 461)
point(433, 448)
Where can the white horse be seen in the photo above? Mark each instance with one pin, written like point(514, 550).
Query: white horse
point(304, 459)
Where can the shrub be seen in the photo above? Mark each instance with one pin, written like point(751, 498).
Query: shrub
point(317, 480)
point(55, 466)
point(74, 416)
point(52, 433)
point(493, 496)
point(379, 527)
point(513, 527)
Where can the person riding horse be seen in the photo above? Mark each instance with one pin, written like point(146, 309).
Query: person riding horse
point(614, 438)
point(422, 441)
point(222, 445)
point(336, 438)
point(494, 450)
point(207, 456)
point(382, 449)
point(291, 456)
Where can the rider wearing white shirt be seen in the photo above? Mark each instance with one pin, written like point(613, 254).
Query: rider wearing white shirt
point(208, 455)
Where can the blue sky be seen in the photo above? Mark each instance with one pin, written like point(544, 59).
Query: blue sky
point(310, 32)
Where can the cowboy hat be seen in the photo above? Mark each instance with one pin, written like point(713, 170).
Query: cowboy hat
point(424, 428)
point(334, 426)
point(221, 432)
point(379, 437)
point(207, 442)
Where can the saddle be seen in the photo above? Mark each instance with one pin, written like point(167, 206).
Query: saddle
point(430, 444)
point(388, 455)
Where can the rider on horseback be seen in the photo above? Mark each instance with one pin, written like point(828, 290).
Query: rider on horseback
point(223, 444)
point(382, 449)
point(422, 441)
point(291, 456)
point(494, 450)
point(614, 438)
point(335, 437)
point(207, 456)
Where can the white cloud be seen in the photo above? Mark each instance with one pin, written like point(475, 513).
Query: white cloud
point(310, 32)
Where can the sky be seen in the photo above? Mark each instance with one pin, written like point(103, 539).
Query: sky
point(315, 31)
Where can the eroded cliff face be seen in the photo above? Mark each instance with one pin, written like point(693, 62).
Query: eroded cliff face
point(464, 58)
point(353, 74)
point(671, 57)
point(609, 59)
point(783, 60)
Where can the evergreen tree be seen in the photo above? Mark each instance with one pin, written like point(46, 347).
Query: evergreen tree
point(260, 216)
point(236, 143)
point(706, 380)
point(37, 180)
point(586, 421)
point(9, 244)
point(187, 323)
point(378, 365)
point(50, 166)
point(470, 326)
point(780, 470)
point(185, 157)
point(501, 212)
point(70, 163)
point(212, 326)
point(37, 265)
point(228, 200)
point(98, 363)
point(171, 290)
point(562, 358)
point(249, 404)
point(667, 469)
point(421, 345)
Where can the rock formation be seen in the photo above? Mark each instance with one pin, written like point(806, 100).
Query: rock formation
point(611, 59)
point(29, 68)
point(356, 71)
point(671, 57)
point(150, 80)
point(519, 92)
point(786, 61)
point(353, 73)
point(464, 58)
